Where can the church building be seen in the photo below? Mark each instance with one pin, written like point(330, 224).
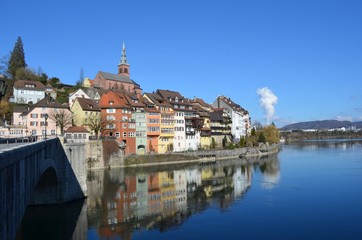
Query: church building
point(121, 80)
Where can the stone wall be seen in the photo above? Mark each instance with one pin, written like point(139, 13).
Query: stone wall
point(37, 173)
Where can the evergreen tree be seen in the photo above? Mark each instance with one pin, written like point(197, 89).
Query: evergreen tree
point(17, 58)
point(261, 138)
point(79, 83)
point(224, 141)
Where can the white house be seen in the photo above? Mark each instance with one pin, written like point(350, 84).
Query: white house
point(180, 133)
point(28, 91)
point(239, 116)
point(77, 94)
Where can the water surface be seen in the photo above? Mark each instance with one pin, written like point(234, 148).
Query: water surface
point(310, 190)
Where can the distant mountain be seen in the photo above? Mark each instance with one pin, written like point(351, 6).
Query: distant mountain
point(325, 124)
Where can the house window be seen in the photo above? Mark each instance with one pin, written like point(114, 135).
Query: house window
point(124, 134)
point(117, 134)
point(111, 117)
point(110, 110)
point(53, 132)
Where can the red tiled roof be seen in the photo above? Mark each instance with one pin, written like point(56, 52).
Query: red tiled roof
point(77, 129)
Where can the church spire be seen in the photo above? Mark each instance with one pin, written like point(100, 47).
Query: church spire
point(124, 56)
point(123, 66)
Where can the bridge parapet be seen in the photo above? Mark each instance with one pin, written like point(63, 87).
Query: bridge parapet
point(37, 173)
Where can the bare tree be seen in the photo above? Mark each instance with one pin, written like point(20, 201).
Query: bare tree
point(4, 65)
point(97, 124)
point(62, 118)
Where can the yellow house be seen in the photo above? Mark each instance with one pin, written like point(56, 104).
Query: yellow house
point(83, 110)
point(205, 134)
point(167, 128)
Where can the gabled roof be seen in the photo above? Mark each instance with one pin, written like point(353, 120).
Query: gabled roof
point(31, 85)
point(49, 102)
point(78, 90)
point(201, 102)
point(116, 77)
point(117, 99)
point(133, 102)
point(233, 105)
point(176, 100)
point(167, 94)
point(92, 92)
point(157, 99)
point(76, 129)
point(88, 104)
point(48, 86)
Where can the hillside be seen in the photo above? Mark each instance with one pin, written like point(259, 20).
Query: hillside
point(319, 125)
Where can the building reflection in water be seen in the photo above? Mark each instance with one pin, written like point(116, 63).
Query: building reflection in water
point(120, 203)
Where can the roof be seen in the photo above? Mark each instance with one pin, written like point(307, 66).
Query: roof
point(20, 109)
point(157, 99)
point(167, 94)
point(76, 129)
point(120, 99)
point(49, 102)
point(176, 100)
point(116, 77)
point(201, 102)
point(49, 86)
point(76, 91)
point(91, 92)
point(88, 104)
point(32, 85)
point(233, 105)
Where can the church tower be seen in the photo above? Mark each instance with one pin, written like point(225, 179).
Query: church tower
point(123, 66)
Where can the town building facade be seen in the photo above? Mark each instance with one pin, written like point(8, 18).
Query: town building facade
point(239, 116)
point(25, 91)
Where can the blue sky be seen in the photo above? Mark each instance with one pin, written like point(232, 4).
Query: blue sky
point(307, 52)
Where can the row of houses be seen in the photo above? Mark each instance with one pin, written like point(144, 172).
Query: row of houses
point(161, 121)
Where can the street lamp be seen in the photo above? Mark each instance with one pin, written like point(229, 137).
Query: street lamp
point(46, 118)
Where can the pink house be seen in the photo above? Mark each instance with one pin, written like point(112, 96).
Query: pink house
point(40, 119)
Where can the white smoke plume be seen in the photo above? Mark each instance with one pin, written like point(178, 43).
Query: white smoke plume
point(267, 101)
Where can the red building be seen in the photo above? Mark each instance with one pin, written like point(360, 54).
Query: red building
point(116, 109)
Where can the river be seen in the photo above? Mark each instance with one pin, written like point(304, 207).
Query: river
point(310, 190)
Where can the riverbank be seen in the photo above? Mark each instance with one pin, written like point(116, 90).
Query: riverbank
point(301, 136)
point(200, 157)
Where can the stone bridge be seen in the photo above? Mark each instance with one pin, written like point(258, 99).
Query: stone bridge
point(37, 173)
